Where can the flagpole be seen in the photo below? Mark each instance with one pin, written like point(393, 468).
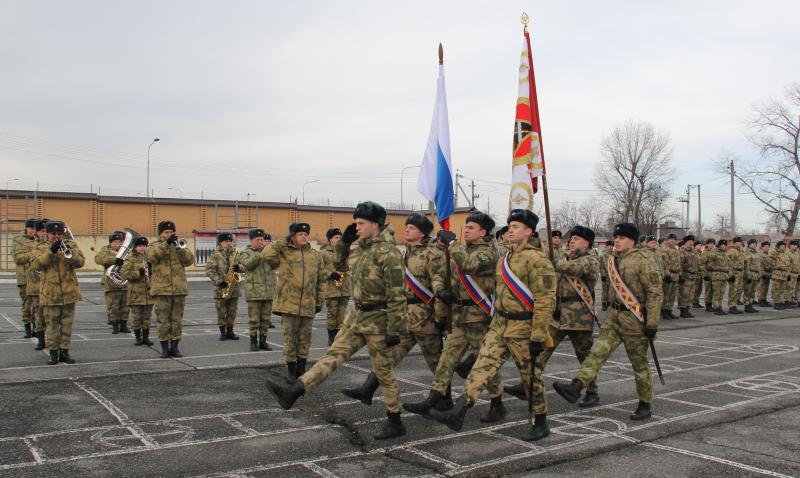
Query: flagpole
point(448, 285)
point(535, 113)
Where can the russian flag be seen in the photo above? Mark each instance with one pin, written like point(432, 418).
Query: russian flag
point(436, 174)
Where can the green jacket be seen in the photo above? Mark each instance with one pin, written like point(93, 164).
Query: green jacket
point(574, 313)
point(332, 291)
point(59, 280)
point(217, 269)
point(736, 258)
point(21, 250)
point(301, 278)
point(138, 288)
point(425, 262)
point(167, 271)
point(766, 264)
point(478, 260)
point(259, 277)
point(690, 265)
point(718, 265)
point(794, 261)
point(34, 285)
point(752, 265)
point(781, 262)
point(377, 278)
point(639, 273)
point(106, 257)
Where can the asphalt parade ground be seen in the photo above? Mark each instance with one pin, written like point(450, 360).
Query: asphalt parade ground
point(729, 408)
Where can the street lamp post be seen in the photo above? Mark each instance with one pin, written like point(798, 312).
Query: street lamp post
point(177, 189)
point(304, 189)
point(155, 140)
point(401, 182)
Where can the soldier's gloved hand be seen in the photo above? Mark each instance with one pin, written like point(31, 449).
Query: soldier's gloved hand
point(335, 276)
point(765, 276)
point(667, 279)
point(535, 348)
point(141, 272)
point(119, 261)
point(707, 278)
point(223, 285)
point(603, 279)
point(445, 237)
point(391, 340)
point(237, 268)
point(650, 333)
point(350, 235)
point(317, 309)
point(54, 247)
point(732, 279)
point(172, 240)
point(446, 296)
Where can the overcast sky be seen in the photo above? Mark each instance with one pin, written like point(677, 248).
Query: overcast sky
point(260, 97)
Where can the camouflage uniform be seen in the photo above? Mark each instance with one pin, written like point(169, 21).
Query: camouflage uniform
point(701, 272)
point(259, 290)
point(781, 262)
point(217, 269)
point(718, 266)
point(301, 292)
point(736, 257)
point(687, 280)
point(621, 326)
point(706, 259)
point(470, 323)
point(117, 308)
point(794, 272)
point(752, 274)
point(606, 285)
point(509, 334)
point(336, 298)
point(767, 262)
point(139, 300)
point(21, 249)
point(34, 286)
point(60, 291)
point(671, 267)
point(168, 287)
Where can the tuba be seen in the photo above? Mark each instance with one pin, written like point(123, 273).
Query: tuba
point(232, 276)
point(112, 273)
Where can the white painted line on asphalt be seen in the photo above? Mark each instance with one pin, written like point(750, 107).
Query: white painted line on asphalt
point(716, 459)
point(430, 457)
point(117, 413)
point(35, 451)
point(11, 321)
point(318, 470)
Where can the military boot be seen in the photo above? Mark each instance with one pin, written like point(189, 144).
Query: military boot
point(497, 411)
point(671, 315)
point(453, 418)
point(53, 357)
point(262, 343)
point(138, 334)
point(28, 331)
point(270, 325)
point(286, 393)
point(123, 327)
point(164, 349)
point(733, 310)
point(719, 311)
point(230, 334)
point(291, 371)
point(642, 411)
point(254, 343)
point(301, 367)
point(332, 336)
point(697, 305)
point(685, 313)
point(463, 367)
point(517, 390)
point(393, 427)
point(445, 403)
point(365, 392)
point(115, 327)
point(571, 391)
point(424, 407)
point(749, 309)
point(709, 308)
point(222, 335)
point(173, 348)
point(779, 306)
point(146, 337)
point(40, 340)
point(589, 399)
point(539, 429)
point(63, 356)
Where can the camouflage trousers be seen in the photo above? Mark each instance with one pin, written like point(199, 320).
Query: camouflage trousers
point(27, 307)
point(39, 324)
point(226, 311)
point(169, 315)
point(117, 308)
point(605, 286)
point(636, 348)
point(791, 286)
point(59, 319)
point(698, 289)
point(429, 344)
point(344, 346)
point(296, 337)
point(779, 291)
point(141, 316)
point(717, 292)
point(259, 313)
point(463, 337)
point(749, 292)
point(709, 292)
point(581, 343)
point(735, 289)
point(670, 291)
point(763, 289)
point(336, 307)
point(686, 292)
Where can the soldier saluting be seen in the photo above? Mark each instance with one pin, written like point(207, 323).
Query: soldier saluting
point(633, 318)
point(226, 289)
point(259, 289)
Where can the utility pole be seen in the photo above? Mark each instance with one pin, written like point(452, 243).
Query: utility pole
point(455, 200)
point(688, 203)
point(473, 195)
point(699, 222)
point(683, 218)
point(733, 210)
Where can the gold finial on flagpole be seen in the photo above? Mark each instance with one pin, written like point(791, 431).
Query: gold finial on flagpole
point(441, 54)
point(525, 19)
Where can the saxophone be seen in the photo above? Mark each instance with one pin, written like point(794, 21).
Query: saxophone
point(340, 281)
point(231, 276)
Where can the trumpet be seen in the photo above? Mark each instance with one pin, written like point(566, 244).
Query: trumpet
point(65, 249)
point(181, 244)
point(146, 267)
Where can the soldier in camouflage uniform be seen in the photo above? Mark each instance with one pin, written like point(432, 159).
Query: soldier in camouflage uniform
point(781, 262)
point(34, 286)
point(558, 247)
point(687, 280)
point(670, 274)
point(705, 263)
point(20, 251)
point(423, 264)
point(301, 292)
point(519, 330)
point(168, 287)
point(699, 248)
point(60, 290)
point(623, 326)
point(378, 292)
point(719, 266)
point(478, 260)
point(338, 291)
point(766, 274)
point(752, 274)
point(736, 280)
point(794, 273)
point(606, 286)
point(502, 241)
point(259, 289)
point(136, 271)
point(217, 269)
point(117, 309)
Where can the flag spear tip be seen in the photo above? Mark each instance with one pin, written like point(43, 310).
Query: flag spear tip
point(441, 54)
point(525, 19)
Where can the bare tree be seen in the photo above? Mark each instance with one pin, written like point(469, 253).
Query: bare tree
point(722, 224)
point(774, 178)
point(636, 172)
point(565, 216)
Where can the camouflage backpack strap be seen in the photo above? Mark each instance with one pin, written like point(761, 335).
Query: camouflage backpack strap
point(583, 292)
point(623, 293)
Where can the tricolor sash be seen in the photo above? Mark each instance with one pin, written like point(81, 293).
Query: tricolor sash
point(416, 287)
point(583, 292)
point(475, 292)
point(623, 293)
point(516, 286)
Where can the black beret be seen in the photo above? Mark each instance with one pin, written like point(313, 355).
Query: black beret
point(420, 222)
point(55, 226)
point(334, 231)
point(688, 238)
point(224, 236)
point(752, 241)
point(794, 242)
point(765, 243)
point(661, 240)
point(525, 217)
point(650, 238)
point(583, 232)
point(254, 233)
point(296, 227)
point(116, 236)
point(722, 242)
point(267, 236)
point(627, 229)
point(737, 239)
point(710, 241)
point(166, 226)
point(779, 244)
point(30, 222)
point(41, 223)
point(500, 232)
point(672, 236)
point(557, 233)
point(371, 211)
point(609, 242)
point(140, 241)
point(482, 219)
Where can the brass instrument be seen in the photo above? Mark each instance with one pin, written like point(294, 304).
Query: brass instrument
point(231, 276)
point(340, 281)
point(181, 244)
point(112, 273)
point(146, 268)
point(65, 249)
